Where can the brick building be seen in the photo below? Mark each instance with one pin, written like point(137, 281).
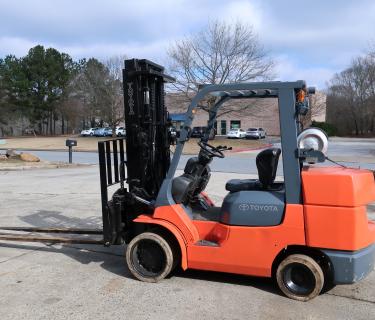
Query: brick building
point(241, 113)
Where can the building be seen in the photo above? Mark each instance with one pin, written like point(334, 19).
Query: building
point(242, 113)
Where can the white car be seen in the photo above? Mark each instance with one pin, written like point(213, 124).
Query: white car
point(255, 133)
point(120, 132)
point(88, 132)
point(236, 133)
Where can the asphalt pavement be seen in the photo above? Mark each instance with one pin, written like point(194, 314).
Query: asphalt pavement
point(349, 152)
point(45, 281)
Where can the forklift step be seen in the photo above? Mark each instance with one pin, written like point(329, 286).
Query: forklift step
point(34, 238)
point(206, 243)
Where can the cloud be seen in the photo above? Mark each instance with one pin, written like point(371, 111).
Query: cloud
point(288, 70)
point(321, 32)
point(311, 40)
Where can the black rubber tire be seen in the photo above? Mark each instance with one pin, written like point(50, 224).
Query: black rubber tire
point(303, 269)
point(163, 252)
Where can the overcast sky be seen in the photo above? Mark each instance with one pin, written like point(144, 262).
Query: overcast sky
point(309, 40)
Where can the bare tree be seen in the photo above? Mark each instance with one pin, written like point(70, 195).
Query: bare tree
point(100, 86)
point(220, 53)
point(351, 97)
point(114, 95)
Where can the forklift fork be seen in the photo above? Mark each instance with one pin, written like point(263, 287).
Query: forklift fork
point(31, 237)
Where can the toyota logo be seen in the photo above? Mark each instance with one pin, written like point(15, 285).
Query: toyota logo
point(244, 207)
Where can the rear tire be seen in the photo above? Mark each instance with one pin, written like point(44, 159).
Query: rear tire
point(300, 277)
point(149, 257)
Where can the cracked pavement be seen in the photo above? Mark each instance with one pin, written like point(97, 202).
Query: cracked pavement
point(44, 281)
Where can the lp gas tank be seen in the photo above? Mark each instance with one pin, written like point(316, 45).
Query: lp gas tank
point(253, 208)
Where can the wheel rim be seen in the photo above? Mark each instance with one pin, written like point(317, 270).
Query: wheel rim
point(148, 258)
point(299, 279)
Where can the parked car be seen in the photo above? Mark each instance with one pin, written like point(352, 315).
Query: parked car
point(107, 132)
point(255, 133)
point(120, 131)
point(99, 132)
point(197, 132)
point(173, 132)
point(88, 132)
point(236, 133)
point(103, 132)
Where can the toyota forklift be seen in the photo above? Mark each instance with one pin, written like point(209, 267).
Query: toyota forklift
point(308, 232)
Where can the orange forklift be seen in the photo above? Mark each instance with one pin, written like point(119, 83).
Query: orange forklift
point(309, 231)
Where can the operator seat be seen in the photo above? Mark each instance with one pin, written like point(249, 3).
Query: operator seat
point(266, 161)
point(193, 181)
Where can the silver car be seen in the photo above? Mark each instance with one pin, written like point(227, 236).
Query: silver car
point(255, 133)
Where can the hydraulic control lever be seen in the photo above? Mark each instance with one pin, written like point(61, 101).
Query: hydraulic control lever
point(223, 148)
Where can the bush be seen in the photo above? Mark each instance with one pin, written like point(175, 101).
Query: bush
point(330, 129)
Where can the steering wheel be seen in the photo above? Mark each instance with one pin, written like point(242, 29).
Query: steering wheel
point(215, 152)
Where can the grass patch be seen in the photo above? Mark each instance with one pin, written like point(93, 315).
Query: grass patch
point(191, 146)
point(91, 143)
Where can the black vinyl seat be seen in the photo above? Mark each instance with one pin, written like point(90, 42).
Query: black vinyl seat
point(266, 161)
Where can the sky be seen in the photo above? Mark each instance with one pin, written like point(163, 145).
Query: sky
point(308, 40)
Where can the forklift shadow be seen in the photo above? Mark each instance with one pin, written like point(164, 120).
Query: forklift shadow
point(110, 259)
point(50, 218)
point(84, 254)
point(264, 284)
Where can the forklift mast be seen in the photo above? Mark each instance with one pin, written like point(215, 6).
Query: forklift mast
point(147, 124)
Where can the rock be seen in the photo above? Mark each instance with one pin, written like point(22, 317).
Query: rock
point(28, 157)
point(3, 157)
point(12, 154)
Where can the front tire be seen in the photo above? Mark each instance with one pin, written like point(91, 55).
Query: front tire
point(149, 257)
point(300, 277)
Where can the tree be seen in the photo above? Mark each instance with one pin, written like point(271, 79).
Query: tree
point(351, 97)
point(48, 73)
point(36, 83)
point(3, 95)
point(13, 89)
point(100, 86)
point(219, 53)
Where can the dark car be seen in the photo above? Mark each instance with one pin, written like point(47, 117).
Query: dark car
point(197, 132)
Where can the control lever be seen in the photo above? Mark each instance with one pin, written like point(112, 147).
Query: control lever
point(223, 148)
point(144, 201)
